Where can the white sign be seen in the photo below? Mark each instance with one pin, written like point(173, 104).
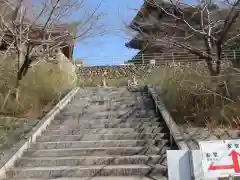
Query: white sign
point(220, 158)
point(152, 61)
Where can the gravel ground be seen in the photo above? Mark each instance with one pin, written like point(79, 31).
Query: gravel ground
point(12, 130)
point(195, 134)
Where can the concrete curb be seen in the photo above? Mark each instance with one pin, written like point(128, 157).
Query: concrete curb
point(171, 124)
point(23, 145)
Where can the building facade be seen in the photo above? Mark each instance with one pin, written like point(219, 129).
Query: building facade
point(148, 25)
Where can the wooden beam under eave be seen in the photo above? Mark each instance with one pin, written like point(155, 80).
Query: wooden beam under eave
point(71, 52)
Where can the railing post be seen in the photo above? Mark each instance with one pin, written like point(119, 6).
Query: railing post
point(104, 82)
point(143, 59)
point(234, 56)
point(173, 57)
point(113, 61)
point(162, 60)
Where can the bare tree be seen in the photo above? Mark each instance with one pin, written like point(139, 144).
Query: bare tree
point(34, 28)
point(205, 29)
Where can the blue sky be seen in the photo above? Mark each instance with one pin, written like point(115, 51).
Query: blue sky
point(111, 47)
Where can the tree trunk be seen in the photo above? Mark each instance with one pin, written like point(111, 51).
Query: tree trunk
point(214, 71)
point(236, 63)
point(24, 67)
point(21, 72)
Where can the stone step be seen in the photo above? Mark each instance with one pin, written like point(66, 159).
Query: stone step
point(100, 113)
point(87, 171)
point(110, 125)
point(103, 131)
point(103, 178)
point(112, 151)
point(88, 160)
point(163, 160)
point(83, 120)
point(97, 144)
point(87, 137)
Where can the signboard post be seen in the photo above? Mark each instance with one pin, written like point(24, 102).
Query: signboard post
point(220, 158)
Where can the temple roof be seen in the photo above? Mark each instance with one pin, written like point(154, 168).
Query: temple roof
point(150, 14)
point(141, 43)
point(136, 43)
point(144, 13)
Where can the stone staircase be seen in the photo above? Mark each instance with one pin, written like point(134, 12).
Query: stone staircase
point(104, 134)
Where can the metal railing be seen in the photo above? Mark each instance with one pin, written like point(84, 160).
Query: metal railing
point(158, 58)
point(142, 66)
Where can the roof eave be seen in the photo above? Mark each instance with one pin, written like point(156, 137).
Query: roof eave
point(135, 44)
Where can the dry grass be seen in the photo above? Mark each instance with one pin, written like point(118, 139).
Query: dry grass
point(43, 86)
point(191, 95)
point(196, 99)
